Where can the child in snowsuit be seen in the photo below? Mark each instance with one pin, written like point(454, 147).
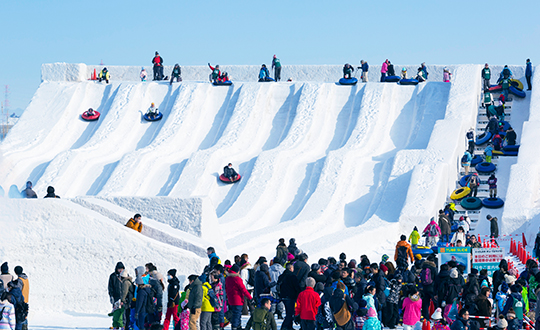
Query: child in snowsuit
point(488, 152)
point(143, 74)
point(176, 72)
point(264, 74)
point(152, 111)
point(404, 73)
point(104, 75)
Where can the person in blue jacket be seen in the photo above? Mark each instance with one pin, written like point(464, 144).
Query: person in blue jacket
point(506, 73)
point(365, 68)
point(276, 65)
point(528, 74)
point(264, 74)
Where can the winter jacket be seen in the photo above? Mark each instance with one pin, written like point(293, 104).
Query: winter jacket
point(8, 316)
point(511, 137)
point(510, 303)
point(380, 286)
point(173, 292)
point(143, 294)
point(414, 237)
point(384, 67)
point(216, 73)
point(262, 282)
point(488, 151)
point(301, 270)
point(235, 289)
point(338, 299)
point(244, 275)
point(411, 310)
point(276, 63)
point(288, 284)
point(395, 288)
point(29, 193)
point(460, 324)
point(206, 306)
point(365, 67)
point(229, 172)
point(372, 310)
point(492, 183)
point(158, 287)
point(307, 304)
point(483, 306)
point(528, 69)
point(409, 250)
point(427, 230)
point(506, 72)
point(391, 71)
point(195, 295)
point(293, 249)
point(115, 285)
point(103, 74)
point(128, 290)
point(177, 71)
point(468, 159)
point(50, 193)
point(281, 253)
point(25, 286)
point(444, 225)
point(220, 295)
point(458, 236)
point(275, 271)
point(134, 225)
point(263, 73)
point(446, 76)
point(157, 60)
point(318, 277)
point(486, 73)
point(264, 316)
point(433, 270)
point(494, 228)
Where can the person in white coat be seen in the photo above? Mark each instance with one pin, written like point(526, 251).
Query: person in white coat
point(459, 235)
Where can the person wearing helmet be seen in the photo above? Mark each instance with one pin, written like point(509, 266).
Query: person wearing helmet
point(446, 75)
point(143, 74)
point(104, 75)
point(264, 74)
point(276, 66)
point(404, 73)
point(158, 67)
point(176, 72)
point(152, 111)
point(214, 76)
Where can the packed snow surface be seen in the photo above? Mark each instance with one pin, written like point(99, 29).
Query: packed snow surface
point(340, 168)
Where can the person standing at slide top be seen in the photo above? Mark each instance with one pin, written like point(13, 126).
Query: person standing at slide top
point(158, 66)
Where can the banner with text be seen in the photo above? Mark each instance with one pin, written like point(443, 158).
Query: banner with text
point(487, 258)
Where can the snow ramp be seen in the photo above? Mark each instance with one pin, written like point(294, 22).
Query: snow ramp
point(319, 161)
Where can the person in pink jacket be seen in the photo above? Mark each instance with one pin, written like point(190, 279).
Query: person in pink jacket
point(432, 231)
point(412, 307)
point(384, 70)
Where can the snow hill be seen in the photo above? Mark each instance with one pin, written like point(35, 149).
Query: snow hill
point(340, 168)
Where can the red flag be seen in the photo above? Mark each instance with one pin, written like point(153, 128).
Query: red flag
point(524, 240)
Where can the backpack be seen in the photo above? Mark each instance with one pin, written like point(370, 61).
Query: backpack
point(533, 285)
point(464, 159)
point(433, 231)
point(425, 276)
point(518, 308)
point(251, 277)
point(150, 302)
point(473, 181)
point(402, 252)
point(259, 320)
point(212, 298)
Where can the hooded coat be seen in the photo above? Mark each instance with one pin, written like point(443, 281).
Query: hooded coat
point(115, 283)
point(235, 289)
point(195, 295)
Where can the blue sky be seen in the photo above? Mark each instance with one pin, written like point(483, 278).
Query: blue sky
point(250, 32)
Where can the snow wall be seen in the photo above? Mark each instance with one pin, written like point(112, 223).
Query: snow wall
point(318, 73)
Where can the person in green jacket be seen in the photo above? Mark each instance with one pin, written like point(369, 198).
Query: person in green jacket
point(262, 317)
point(414, 237)
point(505, 87)
point(486, 76)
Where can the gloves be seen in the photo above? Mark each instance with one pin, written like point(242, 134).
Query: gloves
point(358, 68)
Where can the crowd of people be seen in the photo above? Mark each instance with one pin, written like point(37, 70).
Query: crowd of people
point(331, 293)
point(14, 292)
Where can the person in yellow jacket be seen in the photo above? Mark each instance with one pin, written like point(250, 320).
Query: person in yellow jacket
point(414, 237)
point(104, 75)
point(24, 280)
point(135, 223)
point(206, 309)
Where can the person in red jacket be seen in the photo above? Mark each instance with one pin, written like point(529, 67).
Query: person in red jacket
point(307, 305)
point(158, 67)
point(236, 291)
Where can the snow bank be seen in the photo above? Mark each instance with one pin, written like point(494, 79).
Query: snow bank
point(69, 251)
point(522, 207)
point(316, 73)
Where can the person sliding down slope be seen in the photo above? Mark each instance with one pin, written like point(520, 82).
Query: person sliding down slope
point(347, 71)
point(230, 173)
point(152, 111)
point(90, 112)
